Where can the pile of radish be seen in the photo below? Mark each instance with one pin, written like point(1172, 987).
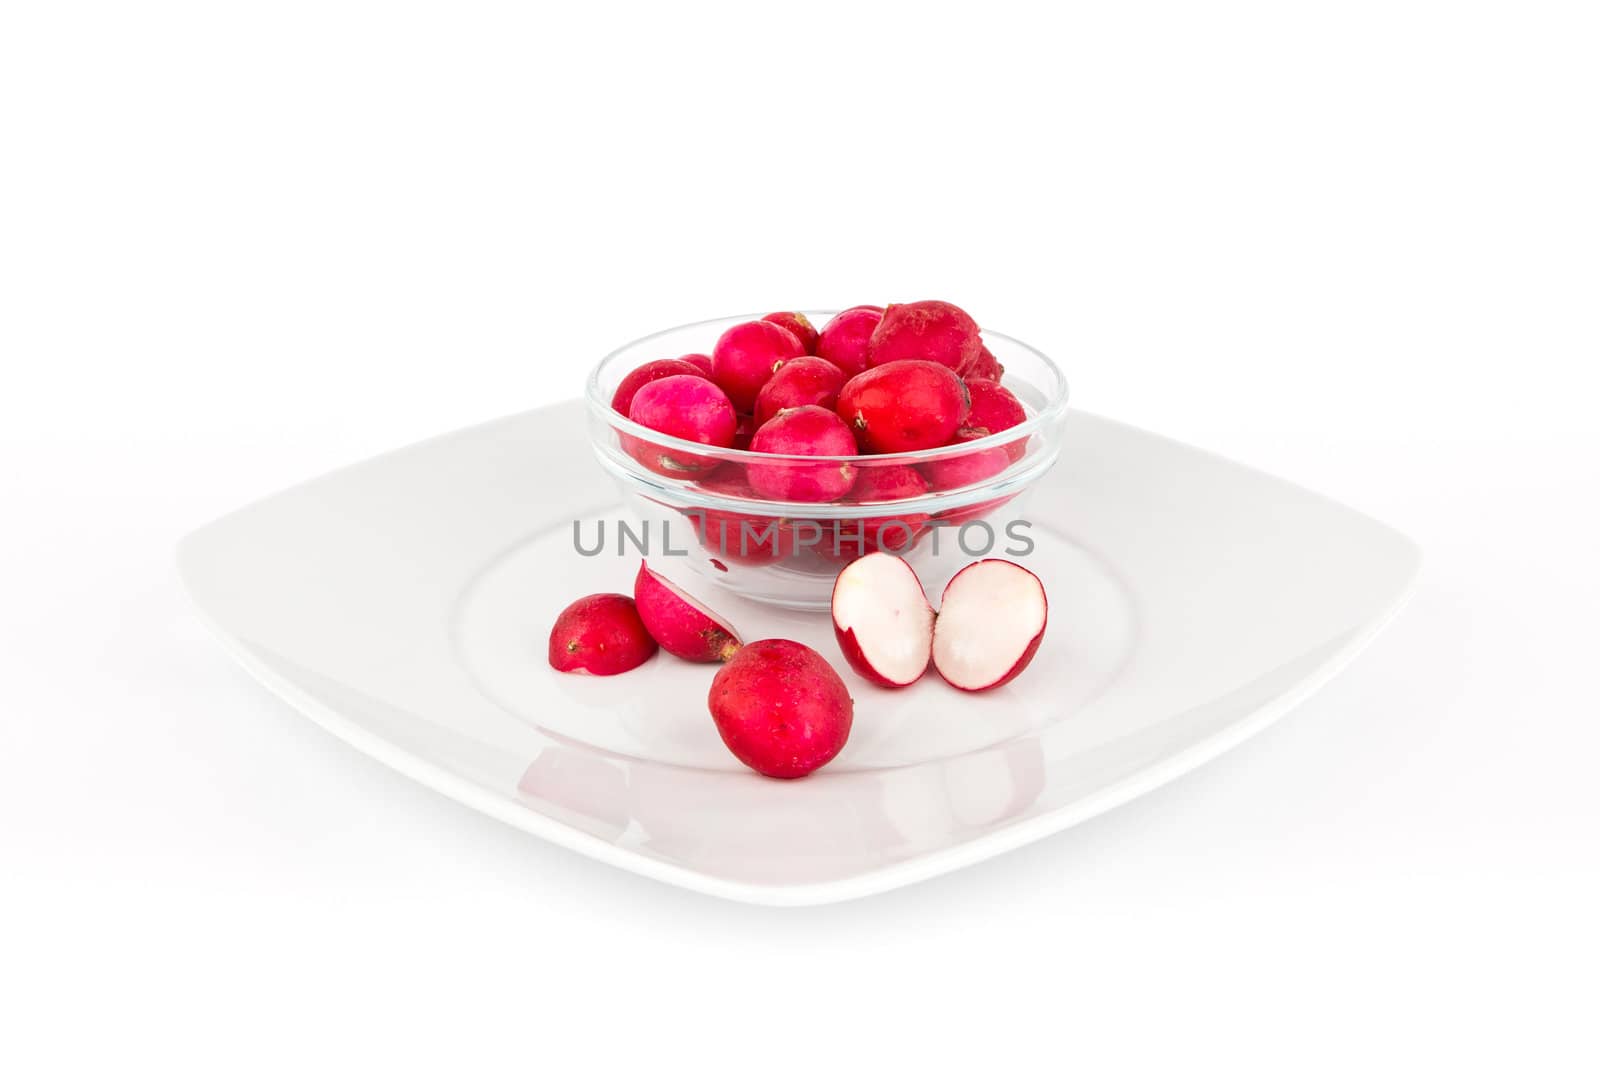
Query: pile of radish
point(874, 380)
point(777, 704)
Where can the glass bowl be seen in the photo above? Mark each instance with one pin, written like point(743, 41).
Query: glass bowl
point(697, 505)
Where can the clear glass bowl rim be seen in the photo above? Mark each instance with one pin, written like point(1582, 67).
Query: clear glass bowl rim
point(600, 405)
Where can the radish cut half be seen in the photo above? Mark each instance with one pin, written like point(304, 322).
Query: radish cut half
point(680, 623)
point(883, 620)
point(991, 620)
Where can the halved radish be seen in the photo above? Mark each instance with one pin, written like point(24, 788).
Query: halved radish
point(990, 623)
point(883, 620)
point(600, 634)
point(680, 623)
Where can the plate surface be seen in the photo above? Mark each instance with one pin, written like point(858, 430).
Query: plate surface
point(403, 604)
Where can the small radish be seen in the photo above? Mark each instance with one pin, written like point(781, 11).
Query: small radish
point(925, 329)
point(807, 380)
point(843, 341)
point(969, 468)
point(803, 431)
point(887, 482)
point(600, 634)
point(700, 362)
point(991, 620)
point(883, 620)
point(641, 376)
point(756, 540)
point(727, 480)
point(995, 408)
point(972, 512)
point(680, 623)
point(850, 538)
point(798, 325)
point(743, 431)
point(904, 406)
point(747, 355)
point(685, 406)
point(741, 537)
point(780, 708)
point(984, 367)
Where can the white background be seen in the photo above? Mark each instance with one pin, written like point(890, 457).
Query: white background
point(1355, 244)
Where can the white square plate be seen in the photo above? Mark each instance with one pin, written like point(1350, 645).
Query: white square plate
point(403, 604)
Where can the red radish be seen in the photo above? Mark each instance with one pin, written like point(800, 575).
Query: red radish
point(739, 537)
point(803, 431)
point(925, 329)
point(904, 406)
point(685, 406)
point(701, 362)
point(680, 623)
point(743, 431)
point(991, 620)
point(727, 480)
point(746, 356)
point(995, 408)
point(883, 620)
point(890, 482)
point(641, 376)
point(843, 341)
point(780, 708)
point(968, 468)
point(984, 367)
point(807, 380)
point(600, 634)
point(970, 512)
point(798, 325)
point(847, 538)
point(744, 538)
